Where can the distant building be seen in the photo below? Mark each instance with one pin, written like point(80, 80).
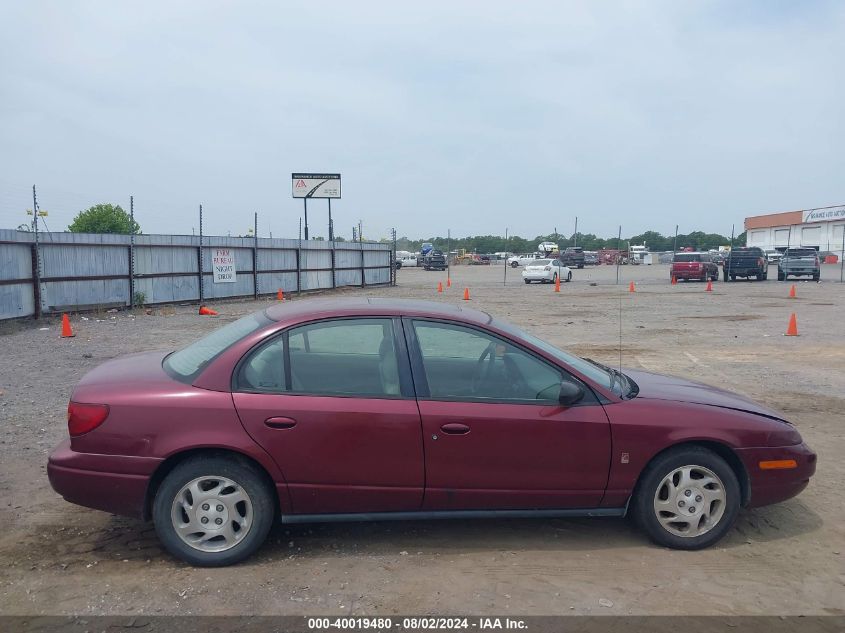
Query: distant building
point(821, 229)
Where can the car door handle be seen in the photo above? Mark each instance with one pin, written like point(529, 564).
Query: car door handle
point(455, 428)
point(280, 423)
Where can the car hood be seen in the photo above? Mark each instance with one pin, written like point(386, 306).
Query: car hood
point(660, 387)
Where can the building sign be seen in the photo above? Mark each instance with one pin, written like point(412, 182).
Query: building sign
point(316, 185)
point(824, 215)
point(223, 263)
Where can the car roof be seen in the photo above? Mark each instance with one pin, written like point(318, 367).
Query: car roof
point(302, 309)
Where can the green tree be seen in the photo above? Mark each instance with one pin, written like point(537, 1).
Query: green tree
point(104, 218)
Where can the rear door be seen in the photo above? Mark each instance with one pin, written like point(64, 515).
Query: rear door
point(333, 404)
point(495, 435)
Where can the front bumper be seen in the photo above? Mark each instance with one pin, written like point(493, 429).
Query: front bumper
point(773, 486)
point(113, 483)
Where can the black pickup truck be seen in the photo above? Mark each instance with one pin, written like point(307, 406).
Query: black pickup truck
point(748, 262)
point(435, 260)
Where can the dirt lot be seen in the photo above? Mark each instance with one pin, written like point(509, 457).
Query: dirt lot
point(56, 558)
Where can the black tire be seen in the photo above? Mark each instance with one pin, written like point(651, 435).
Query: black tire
point(725, 275)
point(569, 276)
point(816, 276)
point(580, 266)
point(649, 486)
point(514, 264)
point(764, 276)
point(733, 277)
point(244, 475)
point(781, 276)
point(528, 281)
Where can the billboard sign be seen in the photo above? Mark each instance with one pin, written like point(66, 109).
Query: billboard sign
point(315, 185)
point(223, 262)
point(824, 215)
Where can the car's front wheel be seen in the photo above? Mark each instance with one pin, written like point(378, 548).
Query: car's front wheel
point(514, 264)
point(213, 511)
point(687, 498)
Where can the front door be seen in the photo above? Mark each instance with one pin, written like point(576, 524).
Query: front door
point(495, 435)
point(333, 405)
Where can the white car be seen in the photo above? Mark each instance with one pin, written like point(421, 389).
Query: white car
point(409, 260)
point(523, 260)
point(546, 271)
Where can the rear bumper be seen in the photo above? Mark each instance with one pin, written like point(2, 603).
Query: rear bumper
point(744, 272)
point(538, 276)
point(809, 271)
point(689, 274)
point(773, 486)
point(112, 483)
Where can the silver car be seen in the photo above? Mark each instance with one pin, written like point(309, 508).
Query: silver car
point(799, 262)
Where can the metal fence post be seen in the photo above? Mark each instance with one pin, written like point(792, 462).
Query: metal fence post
point(36, 283)
point(199, 261)
point(255, 259)
point(131, 252)
point(361, 246)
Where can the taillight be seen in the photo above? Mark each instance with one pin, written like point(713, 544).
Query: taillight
point(818, 261)
point(83, 418)
point(761, 261)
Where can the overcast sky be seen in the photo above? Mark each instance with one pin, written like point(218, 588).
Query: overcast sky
point(469, 116)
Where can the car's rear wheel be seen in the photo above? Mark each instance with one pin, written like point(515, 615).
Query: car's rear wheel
point(514, 264)
point(528, 281)
point(687, 499)
point(569, 276)
point(213, 511)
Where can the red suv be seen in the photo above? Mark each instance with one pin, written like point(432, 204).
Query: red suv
point(694, 266)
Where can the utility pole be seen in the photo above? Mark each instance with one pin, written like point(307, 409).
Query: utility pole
point(448, 256)
point(199, 262)
point(675, 245)
point(305, 202)
point(255, 257)
point(575, 237)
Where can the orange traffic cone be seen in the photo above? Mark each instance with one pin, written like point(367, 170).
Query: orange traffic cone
point(557, 284)
point(792, 292)
point(439, 286)
point(66, 331)
point(674, 280)
point(448, 282)
point(466, 294)
point(207, 311)
point(792, 330)
point(709, 287)
point(280, 296)
point(631, 287)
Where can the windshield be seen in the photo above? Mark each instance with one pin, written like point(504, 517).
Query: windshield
point(597, 374)
point(186, 364)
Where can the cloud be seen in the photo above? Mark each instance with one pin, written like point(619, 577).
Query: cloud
point(470, 116)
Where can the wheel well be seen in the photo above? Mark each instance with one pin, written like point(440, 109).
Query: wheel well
point(171, 462)
point(722, 450)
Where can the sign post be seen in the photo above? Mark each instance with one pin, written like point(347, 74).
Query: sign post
point(316, 186)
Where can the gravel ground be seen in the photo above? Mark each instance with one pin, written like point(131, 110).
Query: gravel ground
point(56, 558)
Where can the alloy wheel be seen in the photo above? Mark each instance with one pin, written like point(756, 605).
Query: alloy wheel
point(690, 501)
point(212, 514)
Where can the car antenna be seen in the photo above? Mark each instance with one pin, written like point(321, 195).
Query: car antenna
point(618, 259)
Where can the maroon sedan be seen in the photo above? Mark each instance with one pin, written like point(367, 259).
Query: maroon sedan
point(373, 409)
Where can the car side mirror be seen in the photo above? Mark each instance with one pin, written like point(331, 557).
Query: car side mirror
point(570, 393)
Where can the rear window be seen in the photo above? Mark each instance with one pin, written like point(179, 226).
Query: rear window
point(541, 262)
point(688, 257)
point(188, 363)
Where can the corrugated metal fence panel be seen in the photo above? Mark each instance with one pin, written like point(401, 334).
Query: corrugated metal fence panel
point(16, 300)
point(276, 260)
point(376, 258)
point(167, 269)
point(316, 267)
point(62, 260)
point(351, 261)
